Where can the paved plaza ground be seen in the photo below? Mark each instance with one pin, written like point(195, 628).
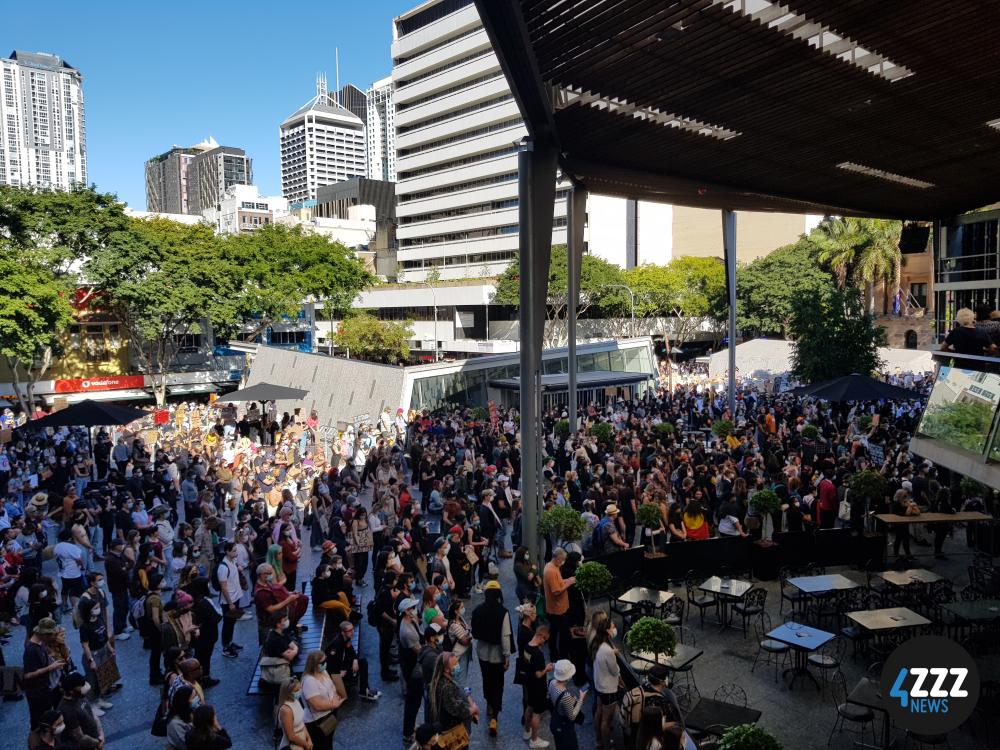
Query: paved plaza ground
point(800, 719)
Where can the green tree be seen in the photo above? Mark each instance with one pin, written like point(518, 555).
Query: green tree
point(690, 290)
point(367, 337)
point(163, 279)
point(34, 310)
point(597, 280)
point(834, 336)
point(43, 236)
point(767, 288)
point(277, 268)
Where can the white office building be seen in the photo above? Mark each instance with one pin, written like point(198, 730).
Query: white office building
point(380, 131)
point(321, 143)
point(43, 139)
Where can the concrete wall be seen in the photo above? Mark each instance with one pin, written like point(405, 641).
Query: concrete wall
point(698, 231)
point(339, 389)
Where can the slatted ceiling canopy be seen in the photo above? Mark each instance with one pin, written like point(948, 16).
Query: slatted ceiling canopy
point(868, 107)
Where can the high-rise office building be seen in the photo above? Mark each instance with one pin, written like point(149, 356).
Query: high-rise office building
point(354, 100)
point(380, 131)
point(457, 134)
point(189, 180)
point(322, 142)
point(43, 138)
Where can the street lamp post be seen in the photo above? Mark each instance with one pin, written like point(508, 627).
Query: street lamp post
point(434, 300)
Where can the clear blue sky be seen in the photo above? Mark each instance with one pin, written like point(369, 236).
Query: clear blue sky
point(158, 74)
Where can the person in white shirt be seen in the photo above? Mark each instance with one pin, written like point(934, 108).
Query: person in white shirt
point(320, 697)
point(230, 593)
point(69, 557)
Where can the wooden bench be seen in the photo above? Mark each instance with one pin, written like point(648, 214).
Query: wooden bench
point(311, 640)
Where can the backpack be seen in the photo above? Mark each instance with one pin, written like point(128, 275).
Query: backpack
point(137, 613)
point(598, 536)
point(214, 578)
point(636, 699)
point(374, 612)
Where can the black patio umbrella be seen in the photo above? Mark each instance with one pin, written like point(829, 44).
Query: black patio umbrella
point(87, 413)
point(855, 387)
point(265, 392)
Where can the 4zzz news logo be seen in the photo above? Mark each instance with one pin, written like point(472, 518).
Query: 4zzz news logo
point(928, 693)
point(931, 685)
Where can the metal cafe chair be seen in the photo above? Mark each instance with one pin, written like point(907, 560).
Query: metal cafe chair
point(850, 713)
point(773, 652)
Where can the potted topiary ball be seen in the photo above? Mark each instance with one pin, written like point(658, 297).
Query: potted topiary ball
point(603, 432)
point(653, 636)
point(564, 523)
point(593, 579)
point(722, 428)
point(561, 429)
point(748, 737)
point(764, 503)
point(649, 516)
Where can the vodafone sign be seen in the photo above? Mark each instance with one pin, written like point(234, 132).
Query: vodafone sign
point(101, 383)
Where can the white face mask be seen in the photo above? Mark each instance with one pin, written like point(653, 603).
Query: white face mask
point(85, 689)
point(59, 729)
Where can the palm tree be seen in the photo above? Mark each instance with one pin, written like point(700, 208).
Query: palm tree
point(880, 260)
point(839, 241)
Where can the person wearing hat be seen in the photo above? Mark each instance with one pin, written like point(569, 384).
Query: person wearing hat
point(494, 642)
point(657, 684)
point(40, 678)
point(565, 706)
point(608, 533)
point(409, 652)
point(82, 727)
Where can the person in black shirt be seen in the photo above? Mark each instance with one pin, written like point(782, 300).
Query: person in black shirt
point(207, 618)
point(343, 662)
point(531, 673)
point(39, 679)
point(384, 610)
point(965, 338)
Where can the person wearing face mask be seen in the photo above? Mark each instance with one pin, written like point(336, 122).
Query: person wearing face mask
point(291, 552)
point(322, 697)
point(48, 733)
point(83, 728)
point(98, 647)
point(607, 679)
point(291, 717)
point(494, 643)
point(271, 598)
point(179, 723)
point(280, 650)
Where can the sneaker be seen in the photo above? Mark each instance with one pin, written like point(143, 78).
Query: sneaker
point(493, 728)
point(248, 615)
point(105, 704)
point(526, 735)
point(129, 629)
point(230, 653)
point(123, 636)
point(369, 696)
point(234, 645)
point(97, 712)
point(538, 744)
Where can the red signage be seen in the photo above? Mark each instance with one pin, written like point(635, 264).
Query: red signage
point(100, 383)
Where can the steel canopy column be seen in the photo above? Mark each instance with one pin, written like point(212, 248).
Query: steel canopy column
point(729, 248)
point(576, 211)
point(536, 165)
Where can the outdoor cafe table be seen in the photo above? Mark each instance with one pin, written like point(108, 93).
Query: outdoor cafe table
point(715, 717)
point(910, 577)
point(891, 618)
point(981, 610)
point(822, 584)
point(803, 640)
point(643, 595)
point(683, 655)
point(868, 693)
point(727, 591)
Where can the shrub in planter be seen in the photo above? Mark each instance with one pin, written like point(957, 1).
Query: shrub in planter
point(722, 428)
point(562, 430)
point(810, 432)
point(664, 430)
point(764, 503)
point(653, 635)
point(603, 432)
point(869, 484)
point(480, 413)
point(748, 737)
point(649, 516)
point(593, 579)
point(565, 523)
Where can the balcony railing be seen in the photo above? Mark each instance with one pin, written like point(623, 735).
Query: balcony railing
point(982, 267)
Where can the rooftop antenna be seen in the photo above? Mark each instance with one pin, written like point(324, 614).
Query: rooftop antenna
point(336, 57)
point(321, 84)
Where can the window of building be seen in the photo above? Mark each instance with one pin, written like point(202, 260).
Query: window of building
point(188, 342)
point(919, 293)
point(288, 337)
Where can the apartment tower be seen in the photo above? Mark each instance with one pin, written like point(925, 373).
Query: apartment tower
point(43, 139)
point(380, 131)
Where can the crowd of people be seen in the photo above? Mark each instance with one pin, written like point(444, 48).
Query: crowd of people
point(178, 527)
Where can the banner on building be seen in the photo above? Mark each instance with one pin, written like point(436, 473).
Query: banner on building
point(102, 383)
